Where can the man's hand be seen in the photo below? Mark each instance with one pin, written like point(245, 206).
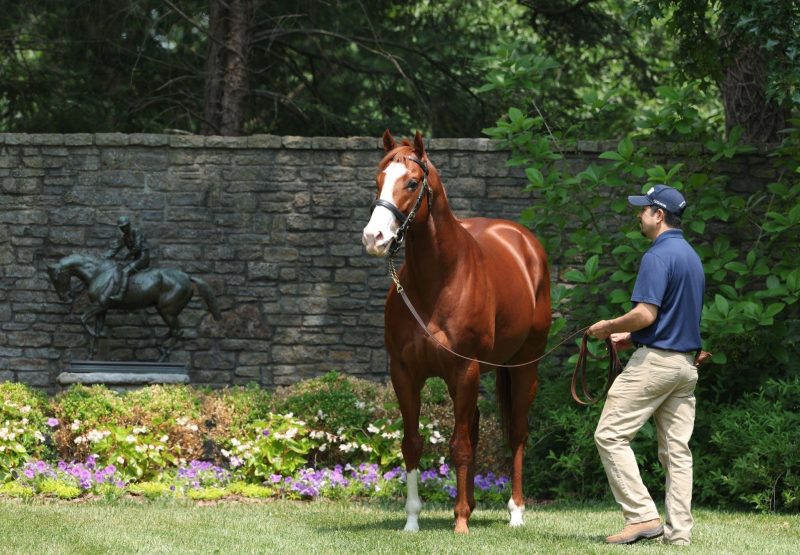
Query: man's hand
point(600, 330)
point(621, 341)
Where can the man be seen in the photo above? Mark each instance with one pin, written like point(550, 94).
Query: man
point(660, 378)
point(138, 254)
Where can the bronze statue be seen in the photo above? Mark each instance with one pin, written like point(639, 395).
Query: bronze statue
point(167, 290)
point(133, 240)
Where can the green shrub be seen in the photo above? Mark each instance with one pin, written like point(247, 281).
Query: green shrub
point(339, 400)
point(81, 409)
point(232, 410)
point(752, 457)
point(23, 427)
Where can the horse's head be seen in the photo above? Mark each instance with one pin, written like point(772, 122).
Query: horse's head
point(60, 280)
point(402, 185)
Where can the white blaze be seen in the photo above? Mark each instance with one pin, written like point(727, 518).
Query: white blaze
point(382, 226)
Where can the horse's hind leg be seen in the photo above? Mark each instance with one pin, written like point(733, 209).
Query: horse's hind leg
point(173, 335)
point(408, 397)
point(474, 436)
point(524, 385)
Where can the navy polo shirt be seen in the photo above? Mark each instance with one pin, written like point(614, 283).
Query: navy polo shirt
point(671, 277)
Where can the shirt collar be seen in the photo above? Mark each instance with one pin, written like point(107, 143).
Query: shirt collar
point(668, 234)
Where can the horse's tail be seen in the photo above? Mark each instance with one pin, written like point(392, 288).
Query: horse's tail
point(503, 392)
point(208, 297)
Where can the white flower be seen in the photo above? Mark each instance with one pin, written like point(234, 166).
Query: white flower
point(139, 449)
point(442, 460)
point(361, 405)
point(76, 424)
point(321, 415)
point(316, 434)
point(140, 430)
point(192, 427)
point(130, 439)
point(25, 410)
point(3, 433)
point(24, 421)
point(164, 438)
point(366, 448)
point(323, 447)
point(225, 453)
point(182, 421)
point(38, 435)
point(120, 460)
point(291, 433)
point(373, 429)
point(94, 436)
point(436, 437)
point(79, 440)
point(235, 442)
point(2, 448)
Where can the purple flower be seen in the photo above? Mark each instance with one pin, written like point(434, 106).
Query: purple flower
point(444, 470)
point(275, 478)
point(265, 433)
point(52, 422)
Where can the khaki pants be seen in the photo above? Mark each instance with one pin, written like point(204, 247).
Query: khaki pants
point(661, 384)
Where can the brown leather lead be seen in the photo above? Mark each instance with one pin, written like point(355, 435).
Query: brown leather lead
point(614, 369)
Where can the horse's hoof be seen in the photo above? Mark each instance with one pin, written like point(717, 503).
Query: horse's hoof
point(461, 527)
point(516, 512)
point(411, 526)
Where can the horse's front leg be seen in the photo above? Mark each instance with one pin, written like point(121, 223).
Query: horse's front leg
point(92, 312)
point(408, 390)
point(462, 448)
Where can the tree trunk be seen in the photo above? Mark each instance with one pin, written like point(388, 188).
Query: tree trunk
point(744, 92)
point(214, 68)
point(226, 70)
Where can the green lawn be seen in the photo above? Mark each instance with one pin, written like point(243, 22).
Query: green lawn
point(284, 527)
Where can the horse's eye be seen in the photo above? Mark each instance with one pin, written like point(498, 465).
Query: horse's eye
point(412, 184)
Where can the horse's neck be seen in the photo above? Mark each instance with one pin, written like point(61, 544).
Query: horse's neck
point(84, 268)
point(434, 249)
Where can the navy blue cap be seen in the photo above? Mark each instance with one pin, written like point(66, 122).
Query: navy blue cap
point(665, 197)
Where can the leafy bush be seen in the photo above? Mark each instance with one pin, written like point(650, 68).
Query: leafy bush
point(23, 429)
point(752, 457)
point(276, 446)
point(80, 409)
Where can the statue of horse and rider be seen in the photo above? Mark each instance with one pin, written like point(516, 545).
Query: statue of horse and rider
point(129, 286)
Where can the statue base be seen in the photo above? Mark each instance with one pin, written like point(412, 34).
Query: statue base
point(122, 375)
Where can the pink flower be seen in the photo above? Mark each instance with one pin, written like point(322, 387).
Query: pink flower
point(52, 422)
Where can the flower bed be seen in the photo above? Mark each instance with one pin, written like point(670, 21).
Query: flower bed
point(177, 441)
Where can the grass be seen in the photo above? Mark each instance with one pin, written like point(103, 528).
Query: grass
point(285, 527)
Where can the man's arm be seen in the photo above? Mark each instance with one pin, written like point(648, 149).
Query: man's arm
point(114, 249)
point(639, 317)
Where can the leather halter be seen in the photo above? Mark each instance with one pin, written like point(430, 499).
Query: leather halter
point(405, 221)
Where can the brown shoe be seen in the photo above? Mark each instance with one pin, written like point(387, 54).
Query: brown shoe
point(648, 529)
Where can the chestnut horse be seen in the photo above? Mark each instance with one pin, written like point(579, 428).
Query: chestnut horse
point(482, 288)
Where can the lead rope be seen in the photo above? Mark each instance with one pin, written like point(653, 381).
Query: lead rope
point(395, 278)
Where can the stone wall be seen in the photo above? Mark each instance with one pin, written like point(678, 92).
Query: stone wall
point(273, 224)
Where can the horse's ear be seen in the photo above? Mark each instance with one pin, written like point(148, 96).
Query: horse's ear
point(388, 141)
point(419, 146)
